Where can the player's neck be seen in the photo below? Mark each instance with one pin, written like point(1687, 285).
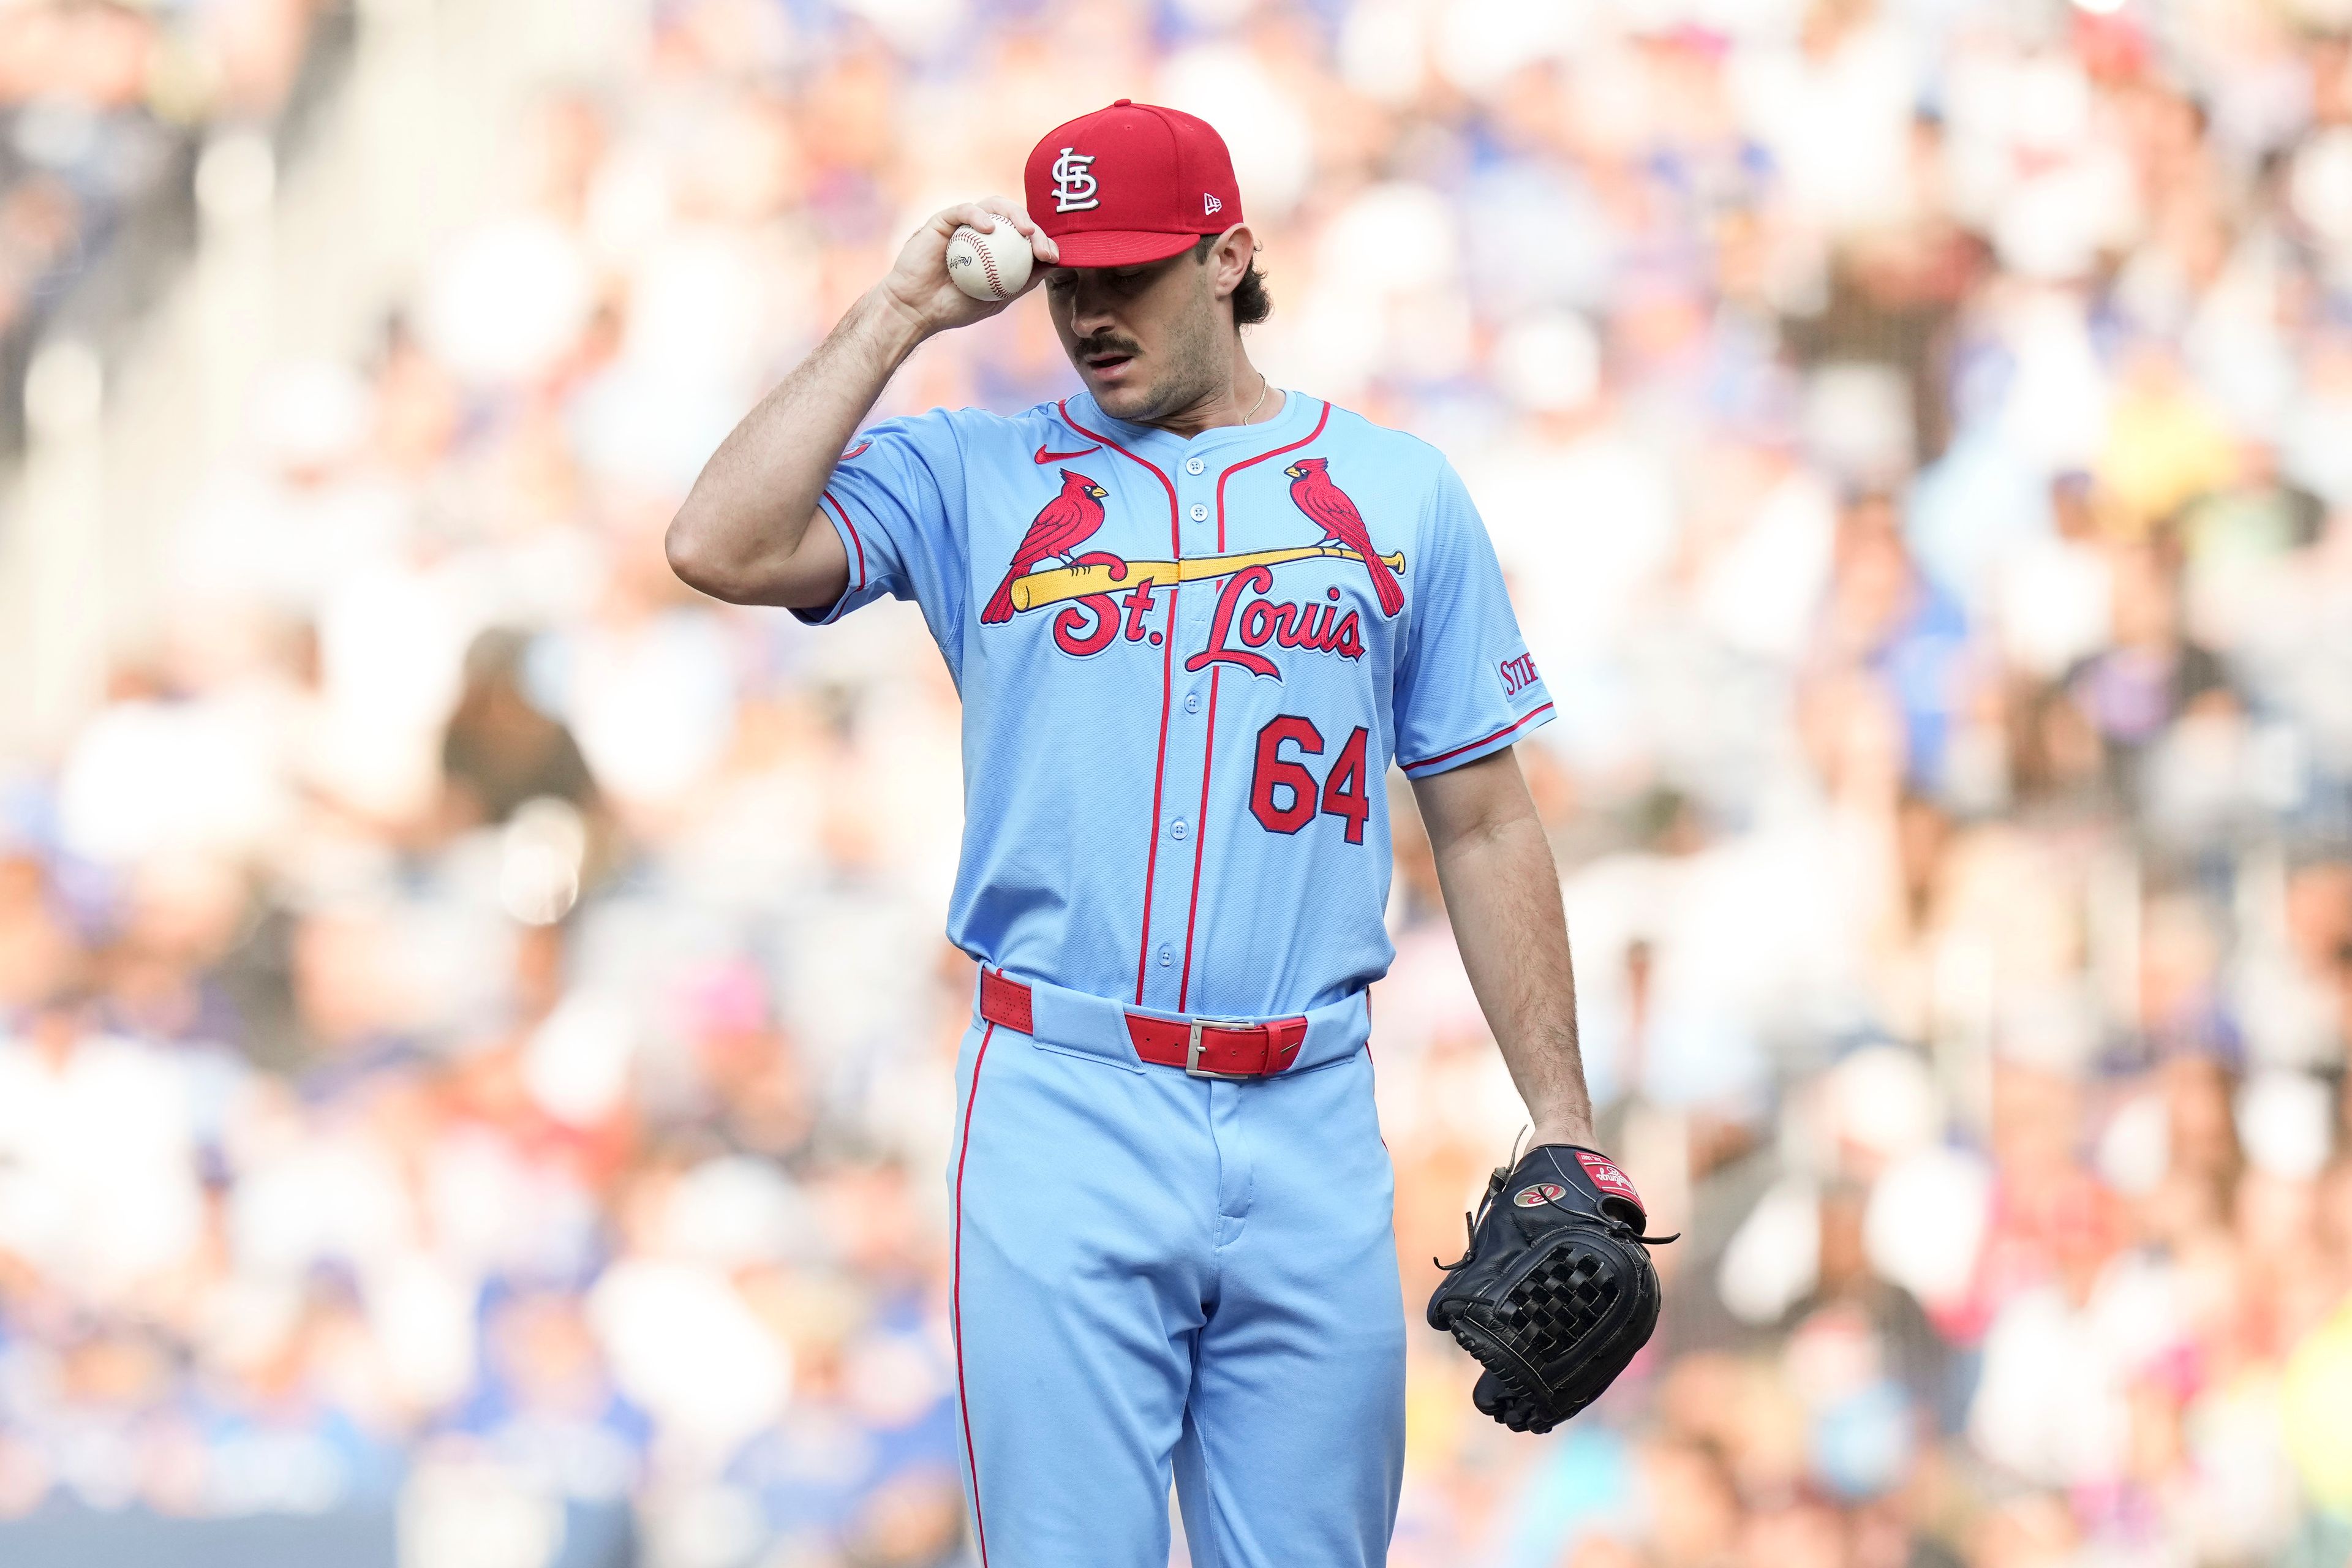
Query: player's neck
point(1245, 397)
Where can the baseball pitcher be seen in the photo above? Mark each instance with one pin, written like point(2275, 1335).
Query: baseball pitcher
point(1193, 619)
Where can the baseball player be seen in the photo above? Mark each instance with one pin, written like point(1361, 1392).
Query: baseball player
point(1193, 619)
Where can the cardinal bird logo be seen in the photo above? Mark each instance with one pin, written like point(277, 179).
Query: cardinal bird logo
point(1326, 504)
point(1066, 522)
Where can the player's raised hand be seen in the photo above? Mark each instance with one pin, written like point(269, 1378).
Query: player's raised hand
point(918, 283)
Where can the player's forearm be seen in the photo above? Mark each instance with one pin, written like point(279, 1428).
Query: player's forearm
point(738, 534)
point(1502, 893)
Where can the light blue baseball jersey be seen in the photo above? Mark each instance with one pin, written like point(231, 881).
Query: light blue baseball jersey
point(1183, 682)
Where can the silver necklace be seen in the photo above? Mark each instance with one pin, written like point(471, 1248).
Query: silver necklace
point(1260, 398)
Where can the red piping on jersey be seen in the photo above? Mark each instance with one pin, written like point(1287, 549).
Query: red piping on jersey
point(1473, 745)
point(1167, 690)
point(1209, 747)
point(1159, 772)
point(1199, 832)
point(955, 1294)
point(1321, 421)
point(850, 529)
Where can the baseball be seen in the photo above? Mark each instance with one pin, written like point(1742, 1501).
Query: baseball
point(991, 266)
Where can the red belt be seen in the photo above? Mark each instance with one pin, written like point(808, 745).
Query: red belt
point(1202, 1047)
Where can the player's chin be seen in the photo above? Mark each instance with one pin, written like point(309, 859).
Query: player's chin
point(1120, 385)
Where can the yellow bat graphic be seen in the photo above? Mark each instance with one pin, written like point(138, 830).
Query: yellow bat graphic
point(1051, 587)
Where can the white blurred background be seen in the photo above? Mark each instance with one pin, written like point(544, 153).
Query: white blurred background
point(474, 1029)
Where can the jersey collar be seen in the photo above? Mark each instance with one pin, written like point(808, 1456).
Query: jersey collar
point(1298, 412)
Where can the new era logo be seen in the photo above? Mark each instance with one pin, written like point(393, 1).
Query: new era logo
point(1209, 205)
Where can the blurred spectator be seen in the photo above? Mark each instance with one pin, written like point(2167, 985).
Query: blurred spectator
point(104, 110)
point(499, 750)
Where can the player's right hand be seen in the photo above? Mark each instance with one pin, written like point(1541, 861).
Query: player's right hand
point(919, 285)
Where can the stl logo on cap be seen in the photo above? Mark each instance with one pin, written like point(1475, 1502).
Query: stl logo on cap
point(1074, 182)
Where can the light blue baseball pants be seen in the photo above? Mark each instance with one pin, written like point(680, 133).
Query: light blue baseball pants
point(1156, 1274)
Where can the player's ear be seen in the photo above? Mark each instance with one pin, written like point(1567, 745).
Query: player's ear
point(1229, 259)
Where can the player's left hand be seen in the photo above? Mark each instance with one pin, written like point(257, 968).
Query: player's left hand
point(1556, 1293)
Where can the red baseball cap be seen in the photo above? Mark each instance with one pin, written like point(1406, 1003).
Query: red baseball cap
point(1129, 183)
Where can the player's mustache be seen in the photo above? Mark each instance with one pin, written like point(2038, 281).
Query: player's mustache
point(1090, 347)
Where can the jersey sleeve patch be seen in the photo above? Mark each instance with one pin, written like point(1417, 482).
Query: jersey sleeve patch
point(1517, 673)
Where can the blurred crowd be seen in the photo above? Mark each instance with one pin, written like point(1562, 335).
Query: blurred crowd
point(478, 1037)
point(103, 106)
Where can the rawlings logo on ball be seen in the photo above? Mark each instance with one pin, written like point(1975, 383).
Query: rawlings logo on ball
point(991, 264)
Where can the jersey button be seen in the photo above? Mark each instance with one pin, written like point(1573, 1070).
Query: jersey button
point(1191, 703)
point(1166, 956)
point(1199, 513)
point(1177, 830)
point(1194, 465)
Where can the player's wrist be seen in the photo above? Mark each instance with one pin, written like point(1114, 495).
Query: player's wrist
point(895, 326)
point(1565, 1128)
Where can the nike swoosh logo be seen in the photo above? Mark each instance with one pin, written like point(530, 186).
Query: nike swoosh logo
point(1044, 456)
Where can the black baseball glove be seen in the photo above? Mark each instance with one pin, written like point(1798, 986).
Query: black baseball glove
point(1556, 1292)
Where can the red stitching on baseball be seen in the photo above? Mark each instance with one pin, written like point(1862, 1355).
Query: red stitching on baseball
point(987, 262)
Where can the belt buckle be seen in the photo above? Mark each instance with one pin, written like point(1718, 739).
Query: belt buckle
point(1193, 1068)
